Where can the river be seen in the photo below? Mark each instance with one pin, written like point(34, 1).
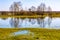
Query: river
point(30, 23)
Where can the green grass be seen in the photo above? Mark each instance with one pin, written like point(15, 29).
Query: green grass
point(39, 34)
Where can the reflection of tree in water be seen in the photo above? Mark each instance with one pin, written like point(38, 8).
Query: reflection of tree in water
point(29, 19)
point(14, 22)
point(49, 21)
point(32, 21)
point(40, 22)
point(43, 22)
point(4, 18)
point(20, 22)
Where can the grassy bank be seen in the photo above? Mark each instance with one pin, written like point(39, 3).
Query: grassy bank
point(39, 34)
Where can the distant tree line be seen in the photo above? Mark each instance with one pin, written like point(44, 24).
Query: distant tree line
point(17, 9)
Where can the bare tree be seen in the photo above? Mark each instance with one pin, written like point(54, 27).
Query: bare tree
point(49, 8)
point(33, 8)
point(15, 7)
point(38, 9)
point(49, 19)
point(41, 7)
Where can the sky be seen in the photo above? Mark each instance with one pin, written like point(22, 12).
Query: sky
point(54, 4)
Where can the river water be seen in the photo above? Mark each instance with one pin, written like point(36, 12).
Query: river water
point(30, 23)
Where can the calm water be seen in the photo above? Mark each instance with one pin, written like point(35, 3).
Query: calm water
point(22, 32)
point(27, 23)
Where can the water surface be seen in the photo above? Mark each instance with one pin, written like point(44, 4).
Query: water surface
point(33, 23)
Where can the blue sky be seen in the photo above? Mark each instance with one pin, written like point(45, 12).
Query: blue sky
point(54, 4)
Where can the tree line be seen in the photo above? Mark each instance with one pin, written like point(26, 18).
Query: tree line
point(16, 8)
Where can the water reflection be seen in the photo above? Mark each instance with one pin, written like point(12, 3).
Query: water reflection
point(40, 22)
point(5, 23)
point(47, 22)
point(14, 22)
